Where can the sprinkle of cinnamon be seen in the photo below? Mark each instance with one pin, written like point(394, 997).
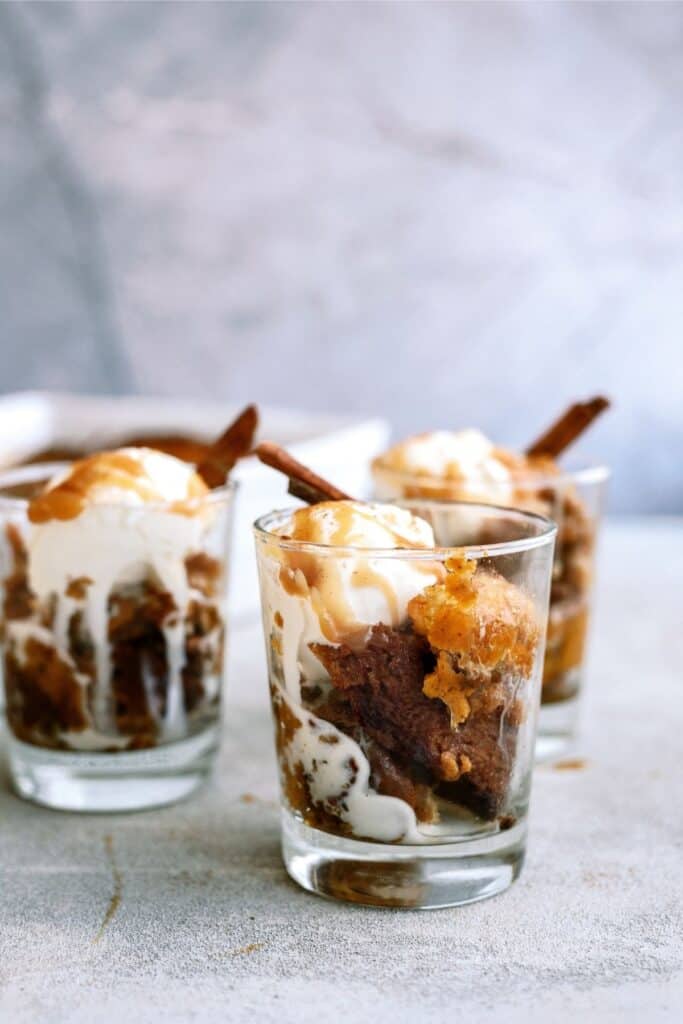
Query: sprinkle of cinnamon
point(234, 443)
point(568, 427)
point(303, 482)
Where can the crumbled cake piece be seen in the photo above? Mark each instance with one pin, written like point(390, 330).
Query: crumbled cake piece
point(43, 697)
point(475, 622)
point(18, 601)
point(478, 616)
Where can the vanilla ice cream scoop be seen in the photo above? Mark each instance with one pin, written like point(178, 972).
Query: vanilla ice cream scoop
point(128, 476)
point(450, 455)
point(337, 590)
point(358, 525)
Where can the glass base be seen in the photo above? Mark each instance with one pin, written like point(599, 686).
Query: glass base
point(412, 877)
point(127, 781)
point(557, 729)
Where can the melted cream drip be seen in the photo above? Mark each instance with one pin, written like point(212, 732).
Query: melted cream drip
point(95, 522)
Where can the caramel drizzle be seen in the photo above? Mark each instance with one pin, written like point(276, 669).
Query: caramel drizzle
point(107, 469)
point(570, 425)
point(344, 513)
point(366, 576)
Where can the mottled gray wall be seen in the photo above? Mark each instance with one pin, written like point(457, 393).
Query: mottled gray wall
point(446, 214)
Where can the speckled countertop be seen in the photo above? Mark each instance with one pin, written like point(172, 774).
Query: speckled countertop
point(186, 914)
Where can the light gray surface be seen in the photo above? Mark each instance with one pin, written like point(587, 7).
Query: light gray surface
point(446, 214)
point(208, 927)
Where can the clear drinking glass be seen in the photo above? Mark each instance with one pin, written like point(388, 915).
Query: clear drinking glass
point(112, 681)
point(574, 499)
point(405, 747)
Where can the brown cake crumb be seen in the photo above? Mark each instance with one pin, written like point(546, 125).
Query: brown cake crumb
point(571, 764)
point(203, 573)
point(451, 686)
point(42, 693)
point(19, 602)
point(78, 588)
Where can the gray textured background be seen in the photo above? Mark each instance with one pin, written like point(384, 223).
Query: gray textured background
point(445, 214)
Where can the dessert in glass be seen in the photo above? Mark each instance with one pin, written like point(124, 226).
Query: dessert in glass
point(405, 681)
point(114, 584)
point(466, 466)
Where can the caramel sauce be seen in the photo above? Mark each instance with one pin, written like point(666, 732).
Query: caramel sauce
point(293, 582)
point(117, 470)
point(305, 526)
point(366, 576)
point(196, 488)
point(334, 614)
point(78, 588)
point(319, 576)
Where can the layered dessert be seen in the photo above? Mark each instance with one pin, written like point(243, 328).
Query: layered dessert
point(113, 604)
point(466, 466)
point(402, 677)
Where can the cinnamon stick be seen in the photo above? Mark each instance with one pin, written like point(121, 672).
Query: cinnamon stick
point(568, 427)
point(234, 443)
point(303, 482)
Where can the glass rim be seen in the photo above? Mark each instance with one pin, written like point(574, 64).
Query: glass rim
point(470, 551)
point(17, 475)
point(584, 472)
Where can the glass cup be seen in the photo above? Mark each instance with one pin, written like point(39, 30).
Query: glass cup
point(112, 632)
point(574, 499)
point(405, 746)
